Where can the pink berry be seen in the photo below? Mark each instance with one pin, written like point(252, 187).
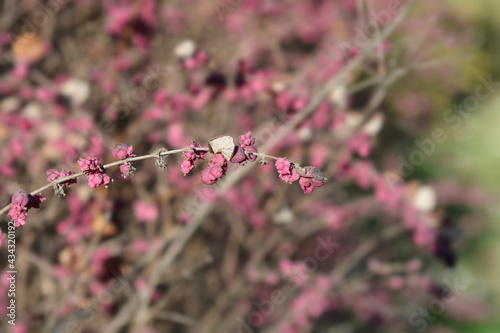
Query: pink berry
point(186, 167)
point(306, 185)
point(219, 160)
point(247, 140)
point(216, 171)
point(190, 156)
point(84, 164)
point(106, 179)
point(52, 174)
point(239, 155)
point(94, 180)
point(21, 203)
point(96, 175)
point(286, 170)
point(18, 215)
point(121, 151)
point(294, 176)
point(20, 198)
point(207, 178)
point(251, 149)
point(124, 168)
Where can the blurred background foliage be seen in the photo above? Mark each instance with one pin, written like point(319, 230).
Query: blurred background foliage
point(471, 153)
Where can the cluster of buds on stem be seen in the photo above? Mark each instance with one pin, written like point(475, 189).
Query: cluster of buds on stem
point(21, 203)
point(96, 176)
point(309, 177)
point(121, 151)
point(246, 150)
point(53, 174)
point(222, 147)
point(191, 156)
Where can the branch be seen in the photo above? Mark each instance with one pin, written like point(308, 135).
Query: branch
point(222, 147)
point(107, 166)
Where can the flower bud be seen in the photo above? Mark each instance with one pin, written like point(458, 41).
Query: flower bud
point(20, 198)
point(239, 155)
point(121, 151)
point(251, 149)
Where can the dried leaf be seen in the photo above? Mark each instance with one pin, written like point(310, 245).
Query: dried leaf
point(222, 144)
point(316, 174)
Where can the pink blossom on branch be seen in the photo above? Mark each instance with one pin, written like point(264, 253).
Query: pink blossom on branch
point(121, 151)
point(21, 203)
point(96, 176)
point(247, 140)
point(251, 149)
point(239, 155)
point(309, 177)
point(286, 170)
point(20, 198)
point(191, 156)
point(53, 174)
point(215, 170)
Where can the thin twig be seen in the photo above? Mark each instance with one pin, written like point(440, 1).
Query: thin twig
point(107, 166)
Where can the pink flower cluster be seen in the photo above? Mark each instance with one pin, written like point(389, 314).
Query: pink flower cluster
point(313, 178)
point(127, 169)
point(21, 203)
point(309, 177)
point(242, 153)
point(96, 176)
point(215, 170)
point(286, 170)
point(191, 156)
point(53, 174)
point(121, 151)
point(197, 60)
point(247, 140)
